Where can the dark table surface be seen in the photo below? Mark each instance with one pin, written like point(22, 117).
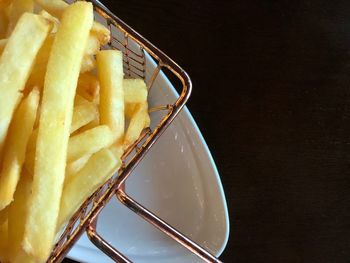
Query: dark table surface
point(272, 98)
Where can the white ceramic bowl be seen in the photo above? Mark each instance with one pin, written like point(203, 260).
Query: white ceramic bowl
point(179, 182)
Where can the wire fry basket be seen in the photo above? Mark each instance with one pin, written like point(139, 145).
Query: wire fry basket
point(135, 48)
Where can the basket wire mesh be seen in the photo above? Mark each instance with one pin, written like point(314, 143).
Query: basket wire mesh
point(85, 219)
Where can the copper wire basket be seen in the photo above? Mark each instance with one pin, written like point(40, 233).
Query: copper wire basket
point(124, 38)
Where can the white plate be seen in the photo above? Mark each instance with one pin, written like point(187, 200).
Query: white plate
point(178, 181)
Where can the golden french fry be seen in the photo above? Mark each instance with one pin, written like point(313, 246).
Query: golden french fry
point(55, 121)
point(101, 32)
point(92, 47)
point(17, 9)
point(14, 154)
point(57, 7)
point(54, 7)
point(89, 87)
point(138, 122)
point(135, 91)
point(75, 166)
point(17, 215)
point(55, 22)
point(91, 125)
point(37, 75)
point(89, 142)
point(97, 171)
point(117, 150)
point(82, 115)
point(4, 3)
point(110, 73)
point(15, 65)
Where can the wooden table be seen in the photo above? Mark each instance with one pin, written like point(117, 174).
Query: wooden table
point(272, 98)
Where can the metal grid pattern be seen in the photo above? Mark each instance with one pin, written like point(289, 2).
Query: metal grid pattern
point(85, 219)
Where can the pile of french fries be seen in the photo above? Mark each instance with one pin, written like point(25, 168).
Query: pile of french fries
point(64, 103)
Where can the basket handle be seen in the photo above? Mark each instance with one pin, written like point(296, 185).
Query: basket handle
point(151, 218)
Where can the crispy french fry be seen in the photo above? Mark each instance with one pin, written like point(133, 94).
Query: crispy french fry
point(55, 121)
point(15, 65)
point(57, 7)
point(75, 166)
point(82, 115)
point(88, 63)
point(55, 22)
point(135, 91)
point(15, 149)
point(80, 186)
point(92, 47)
point(110, 73)
point(138, 122)
point(93, 124)
point(89, 142)
point(101, 32)
point(37, 75)
point(89, 87)
point(17, 214)
point(117, 150)
point(17, 9)
point(54, 7)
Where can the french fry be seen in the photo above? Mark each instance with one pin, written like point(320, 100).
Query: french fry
point(15, 65)
point(117, 150)
point(89, 142)
point(55, 121)
point(54, 7)
point(17, 9)
point(80, 186)
point(92, 47)
point(135, 91)
point(37, 75)
point(93, 124)
point(55, 22)
point(15, 149)
point(89, 87)
point(82, 115)
point(138, 122)
point(101, 32)
point(110, 73)
point(17, 214)
point(75, 166)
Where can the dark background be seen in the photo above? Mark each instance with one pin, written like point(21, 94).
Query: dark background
point(272, 98)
